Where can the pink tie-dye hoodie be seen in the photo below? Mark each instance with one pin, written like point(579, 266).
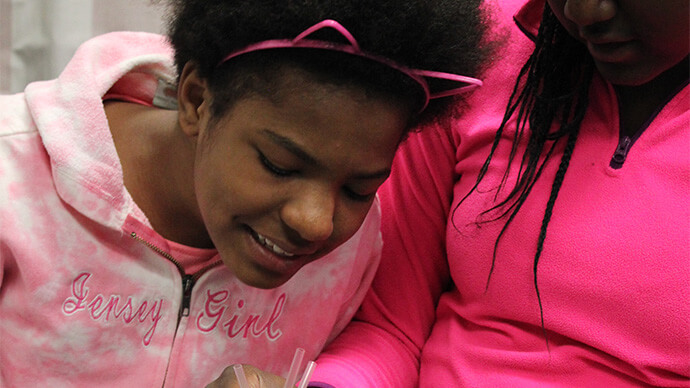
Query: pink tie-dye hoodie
point(89, 295)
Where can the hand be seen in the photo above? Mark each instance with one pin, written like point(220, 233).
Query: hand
point(255, 377)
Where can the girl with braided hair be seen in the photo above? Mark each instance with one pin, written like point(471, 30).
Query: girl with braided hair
point(171, 206)
point(544, 244)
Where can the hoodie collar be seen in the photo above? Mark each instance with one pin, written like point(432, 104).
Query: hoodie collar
point(528, 17)
point(69, 116)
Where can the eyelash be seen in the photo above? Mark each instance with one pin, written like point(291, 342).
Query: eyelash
point(277, 171)
point(358, 197)
point(273, 169)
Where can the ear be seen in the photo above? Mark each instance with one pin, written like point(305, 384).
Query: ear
point(193, 100)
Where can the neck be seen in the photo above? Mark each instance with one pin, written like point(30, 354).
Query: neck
point(638, 103)
point(157, 165)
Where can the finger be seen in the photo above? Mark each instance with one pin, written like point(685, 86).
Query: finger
point(260, 379)
point(227, 379)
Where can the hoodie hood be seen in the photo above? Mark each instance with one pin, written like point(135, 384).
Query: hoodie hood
point(70, 118)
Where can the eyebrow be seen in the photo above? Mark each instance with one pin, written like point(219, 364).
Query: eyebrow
point(296, 150)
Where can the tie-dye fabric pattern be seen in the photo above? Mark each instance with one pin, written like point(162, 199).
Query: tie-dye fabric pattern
point(82, 302)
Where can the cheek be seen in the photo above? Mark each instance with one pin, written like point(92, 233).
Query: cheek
point(208, 195)
point(215, 184)
point(558, 9)
point(672, 41)
point(664, 48)
point(556, 6)
point(232, 189)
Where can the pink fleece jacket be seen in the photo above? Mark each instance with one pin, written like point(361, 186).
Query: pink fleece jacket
point(89, 295)
point(614, 275)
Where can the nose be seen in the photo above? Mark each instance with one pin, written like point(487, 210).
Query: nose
point(310, 213)
point(588, 12)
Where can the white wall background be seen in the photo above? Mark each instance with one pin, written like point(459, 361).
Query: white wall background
point(38, 37)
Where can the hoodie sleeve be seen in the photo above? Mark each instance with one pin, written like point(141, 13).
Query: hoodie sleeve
point(17, 137)
point(382, 346)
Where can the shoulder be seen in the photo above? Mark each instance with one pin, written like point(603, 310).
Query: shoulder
point(14, 116)
point(105, 58)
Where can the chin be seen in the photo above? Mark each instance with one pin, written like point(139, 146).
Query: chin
point(621, 75)
point(264, 284)
point(259, 279)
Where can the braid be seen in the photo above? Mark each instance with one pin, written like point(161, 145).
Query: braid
point(555, 188)
point(552, 87)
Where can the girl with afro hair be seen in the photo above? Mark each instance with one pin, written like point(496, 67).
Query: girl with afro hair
point(174, 205)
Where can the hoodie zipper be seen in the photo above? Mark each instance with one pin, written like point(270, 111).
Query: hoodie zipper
point(626, 142)
point(188, 280)
point(621, 152)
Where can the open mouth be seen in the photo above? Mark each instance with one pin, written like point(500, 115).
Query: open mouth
point(270, 245)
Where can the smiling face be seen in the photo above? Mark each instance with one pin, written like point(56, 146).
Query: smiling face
point(280, 182)
point(632, 41)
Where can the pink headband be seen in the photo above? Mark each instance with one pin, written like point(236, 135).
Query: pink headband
point(419, 76)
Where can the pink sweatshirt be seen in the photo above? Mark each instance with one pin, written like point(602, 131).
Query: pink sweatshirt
point(89, 295)
point(614, 275)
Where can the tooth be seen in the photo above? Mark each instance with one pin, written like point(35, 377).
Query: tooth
point(280, 251)
point(269, 244)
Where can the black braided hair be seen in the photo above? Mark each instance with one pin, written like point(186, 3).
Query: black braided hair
point(552, 88)
point(440, 35)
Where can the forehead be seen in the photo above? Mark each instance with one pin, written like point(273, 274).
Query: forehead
point(275, 74)
point(344, 124)
point(339, 109)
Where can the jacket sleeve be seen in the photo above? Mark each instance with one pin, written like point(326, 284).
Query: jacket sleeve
point(382, 346)
point(15, 123)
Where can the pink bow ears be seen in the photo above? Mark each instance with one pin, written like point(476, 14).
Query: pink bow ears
point(419, 76)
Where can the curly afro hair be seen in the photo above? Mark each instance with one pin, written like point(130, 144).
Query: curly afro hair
point(439, 35)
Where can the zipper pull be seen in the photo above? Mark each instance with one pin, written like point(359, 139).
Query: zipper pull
point(187, 284)
point(621, 152)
